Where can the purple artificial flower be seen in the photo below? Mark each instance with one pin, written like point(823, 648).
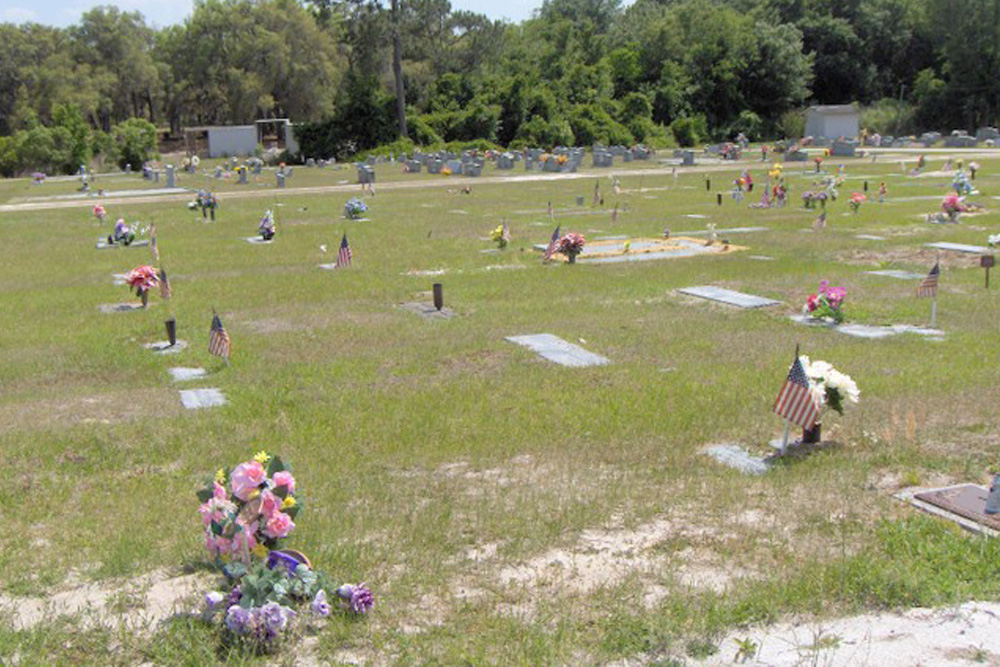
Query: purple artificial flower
point(276, 557)
point(235, 596)
point(213, 601)
point(359, 599)
point(275, 618)
point(320, 606)
point(237, 619)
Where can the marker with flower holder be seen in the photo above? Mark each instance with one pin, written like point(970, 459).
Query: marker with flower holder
point(246, 515)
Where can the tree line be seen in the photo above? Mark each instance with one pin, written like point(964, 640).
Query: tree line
point(363, 73)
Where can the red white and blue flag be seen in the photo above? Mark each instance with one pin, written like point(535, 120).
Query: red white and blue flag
point(344, 255)
point(928, 288)
point(795, 401)
point(552, 245)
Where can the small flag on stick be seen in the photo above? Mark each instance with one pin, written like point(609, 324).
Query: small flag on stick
point(820, 223)
point(928, 288)
point(549, 209)
point(218, 339)
point(597, 193)
point(552, 245)
point(164, 285)
point(795, 401)
point(614, 213)
point(505, 233)
point(344, 255)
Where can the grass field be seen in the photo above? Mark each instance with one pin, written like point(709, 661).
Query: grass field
point(502, 508)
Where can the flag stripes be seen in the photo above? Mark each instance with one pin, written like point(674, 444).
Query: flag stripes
point(552, 245)
point(795, 401)
point(928, 288)
point(218, 339)
point(344, 255)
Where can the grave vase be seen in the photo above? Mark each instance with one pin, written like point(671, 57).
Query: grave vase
point(144, 295)
point(811, 436)
point(571, 256)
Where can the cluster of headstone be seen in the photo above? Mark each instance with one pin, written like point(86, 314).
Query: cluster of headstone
point(960, 139)
point(467, 163)
point(604, 156)
point(313, 162)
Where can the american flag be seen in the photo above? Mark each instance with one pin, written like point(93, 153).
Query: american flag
point(795, 401)
point(164, 285)
point(552, 245)
point(218, 339)
point(820, 222)
point(505, 233)
point(928, 288)
point(344, 254)
point(154, 249)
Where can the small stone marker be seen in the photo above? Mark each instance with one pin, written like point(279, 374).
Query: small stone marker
point(733, 230)
point(871, 331)
point(109, 308)
point(428, 311)
point(960, 247)
point(196, 399)
point(164, 347)
point(557, 350)
point(181, 374)
point(736, 457)
point(894, 273)
point(965, 504)
point(104, 245)
point(258, 240)
point(731, 297)
point(762, 258)
point(869, 237)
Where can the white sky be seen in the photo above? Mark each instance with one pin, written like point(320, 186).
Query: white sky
point(160, 13)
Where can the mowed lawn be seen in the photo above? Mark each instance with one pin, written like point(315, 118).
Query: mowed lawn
point(501, 507)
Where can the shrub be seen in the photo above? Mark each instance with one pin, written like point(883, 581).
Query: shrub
point(689, 130)
point(135, 139)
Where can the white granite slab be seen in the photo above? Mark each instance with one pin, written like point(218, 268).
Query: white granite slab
point(197, 399)
point(871, 331)
point(727, 296)
point(428, 311)
point(895, 273)
point(181, 374)
point(960, 247)
point(119, 307)
point(721, 232)
point(104, 245)
point(557, 350)
point(762, 258)
point(257, 239)
point(869, 237)
point(164, 347)
point(737, 457)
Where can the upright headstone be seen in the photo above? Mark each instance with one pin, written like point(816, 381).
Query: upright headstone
point(171, 182)
point(281, 179)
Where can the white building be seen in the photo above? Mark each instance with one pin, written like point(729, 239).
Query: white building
point(242, 140)
point(833, 121)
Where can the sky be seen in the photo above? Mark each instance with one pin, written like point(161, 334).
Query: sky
point(166, 12)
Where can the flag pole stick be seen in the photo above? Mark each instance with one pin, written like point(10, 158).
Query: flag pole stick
point(784, 437)
point(934, 311)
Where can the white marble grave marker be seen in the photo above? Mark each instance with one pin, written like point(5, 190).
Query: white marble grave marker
point(196, 399)
point(557, 350)
point(730, 297)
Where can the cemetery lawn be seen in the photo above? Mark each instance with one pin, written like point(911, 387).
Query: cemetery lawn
point(501, 507)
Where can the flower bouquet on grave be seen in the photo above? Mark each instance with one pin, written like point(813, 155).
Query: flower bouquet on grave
point(100, 213)
point(827, 304)
point(266, 590)
point(500, 236)
point(831, 389)
point(811, 197)
point(953, 206)
point(571, 245)
point(38, 178)
point(819, 163)
point(355, 208)
point(962, 185)
point(562, 159)
point(142, 279)
point(122, 233)
point(993, 241)
point(266, 228)
point(857, 199)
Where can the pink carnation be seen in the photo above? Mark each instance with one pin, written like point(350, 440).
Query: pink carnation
point(279, 526)
point(246, 478)
point(219, 491)
point(285, 479)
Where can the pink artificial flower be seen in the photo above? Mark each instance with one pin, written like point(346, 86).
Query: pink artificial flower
point(219, 510)
point(279, 526)
point(246, 478)
point(217, 545)
point(247, 537)
point(219, 491)
point(269, 504)
point(285, 479)
point(812, 303)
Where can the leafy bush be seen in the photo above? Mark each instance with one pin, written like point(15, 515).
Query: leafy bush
point(792, 124)
point(135, 139)
point(889, 116)
point(689, 130)
point(541, 132)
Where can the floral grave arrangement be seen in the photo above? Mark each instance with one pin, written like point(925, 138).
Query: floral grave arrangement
point(571, 245)
point(266, 228)
point(500, 236)
point(142, 279)
point(830, 388)
point(827, 304)
point(857, 199)
point(355, 208)
point(246, 514)
point(811, 197)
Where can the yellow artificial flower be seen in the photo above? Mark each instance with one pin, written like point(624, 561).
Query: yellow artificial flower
point(254, 494)
point(260, 551)
point(626, 246)
point(262, 457)
point(289, 501)
point(220, 476)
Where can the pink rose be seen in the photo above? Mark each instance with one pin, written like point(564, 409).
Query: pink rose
point(269, 504)
point(219, 491)
point(279, 526)
point(246, 478)
point(217, 545)
point(244, 536)
point(285, 479)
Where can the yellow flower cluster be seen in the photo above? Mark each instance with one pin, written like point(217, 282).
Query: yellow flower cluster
point(262, 457)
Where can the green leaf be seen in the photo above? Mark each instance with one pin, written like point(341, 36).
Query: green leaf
point(275, 466)
point(204, 495)
point(216, 528)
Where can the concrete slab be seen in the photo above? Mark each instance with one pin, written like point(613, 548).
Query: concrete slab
point(257, 240)
point(734, 456)
point(559, 351)
point(901, 275)
point(197, 399)
point(731, 297)
point(960, 247)
point(428, 311)
point(104, 245)
point(119, 307)
point(871, 331)
point(181, 374)
point(164, 347)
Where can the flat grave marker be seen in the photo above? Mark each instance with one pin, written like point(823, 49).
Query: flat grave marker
point(104, 245)
point(109, 308)
point(869, 237)
point(257, 240)
point(737, 457)
point(960, 247)
point(180, 374)
point(197, 399)
point(427, 311)
point(895, 273)
point(964, 504)
point(164, 347)
point(730, 297)
point(559, 351)
point(871, 331)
